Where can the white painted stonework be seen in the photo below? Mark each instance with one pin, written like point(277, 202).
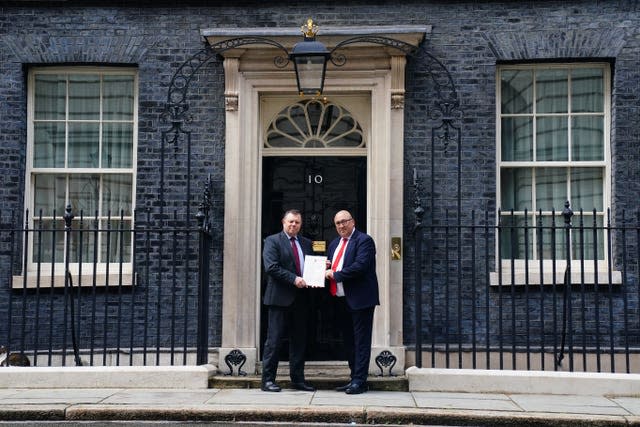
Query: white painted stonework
point(530, 382)
point(151, 377)
point(374, 71)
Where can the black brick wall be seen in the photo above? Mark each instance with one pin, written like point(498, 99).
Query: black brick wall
point(468, 38)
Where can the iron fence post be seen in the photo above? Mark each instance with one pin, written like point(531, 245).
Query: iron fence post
point(204, 265)
point(68, 291)
point(417, 231)
point(567, 329)
point(567, 213)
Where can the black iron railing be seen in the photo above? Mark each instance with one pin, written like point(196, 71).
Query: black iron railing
point(559, 292)
point(491, 291)
point(107, 291)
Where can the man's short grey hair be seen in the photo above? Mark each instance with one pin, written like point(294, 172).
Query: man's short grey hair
point(292, 212)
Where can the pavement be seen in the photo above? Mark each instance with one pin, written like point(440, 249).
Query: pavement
point(251, 406)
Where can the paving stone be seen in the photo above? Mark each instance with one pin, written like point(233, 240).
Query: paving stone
point(462, 401)
point(370, 398)
point(258, 397)
point(631, 404)
point(568, 404)
point(161, 397)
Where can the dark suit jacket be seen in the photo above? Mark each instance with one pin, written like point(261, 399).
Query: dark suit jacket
point(280, 268)
point(358, 274)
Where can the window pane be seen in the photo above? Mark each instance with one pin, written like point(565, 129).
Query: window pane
point(587, 138)
point(48, 145)
point(50, 95)
point(83, 240)
point(517, 139)
point(584, 240)
point(117, 98)
point(83, 145)
point(512, 237)
point(283, 132)
point(551, 139)
point(551, 91)
point(49, 194)
point(551, 188)
point(340, 132)
point(116, 241)
point(117, 194)
point(117, 145)
point(516, 91)
point(298, 124)
point(586, 189)
point(351, 138)
point(48, 241)
point(552, 241)
point(84, 191)
point(84, 97)
point(587, 90)
point(314, 112)
point(516, 189)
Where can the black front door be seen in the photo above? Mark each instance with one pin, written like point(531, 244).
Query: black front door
point(318, 187)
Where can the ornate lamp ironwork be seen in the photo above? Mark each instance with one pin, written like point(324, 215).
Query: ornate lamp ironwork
point(310, 61)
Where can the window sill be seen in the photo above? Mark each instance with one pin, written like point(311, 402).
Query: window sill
point(534, 278)
point(48, 281)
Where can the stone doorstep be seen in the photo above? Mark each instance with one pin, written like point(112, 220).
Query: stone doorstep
point(324, 375)
point(398, 383)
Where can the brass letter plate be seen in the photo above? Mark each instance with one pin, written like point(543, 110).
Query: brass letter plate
point(319, 246)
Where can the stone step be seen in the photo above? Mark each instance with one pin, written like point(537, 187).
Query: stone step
point(321, 382)
point(324, 375)
point(313, 368)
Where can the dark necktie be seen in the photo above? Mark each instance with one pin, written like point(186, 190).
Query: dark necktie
point(333, 285)
point(296, 258)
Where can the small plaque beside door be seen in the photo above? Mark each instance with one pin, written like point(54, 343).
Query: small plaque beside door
point(396, 248)
point(319, 246)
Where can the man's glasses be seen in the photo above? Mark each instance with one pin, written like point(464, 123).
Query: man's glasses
point(343, 222)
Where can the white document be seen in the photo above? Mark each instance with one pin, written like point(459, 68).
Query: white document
point(314, 268)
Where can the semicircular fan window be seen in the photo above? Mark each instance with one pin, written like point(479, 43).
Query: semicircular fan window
point(314, 124)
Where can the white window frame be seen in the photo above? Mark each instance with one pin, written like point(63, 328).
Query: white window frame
point(516, 272)
point(48, 274)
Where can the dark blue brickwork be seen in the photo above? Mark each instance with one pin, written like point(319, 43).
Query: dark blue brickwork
point(469, 38)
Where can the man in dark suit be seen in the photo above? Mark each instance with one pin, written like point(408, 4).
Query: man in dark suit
point(352, 280)
point(287, 301)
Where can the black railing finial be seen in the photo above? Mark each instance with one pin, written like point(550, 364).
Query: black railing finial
point(68, 217)
point(567, 213)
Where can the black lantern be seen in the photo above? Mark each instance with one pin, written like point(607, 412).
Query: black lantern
point(310, 61)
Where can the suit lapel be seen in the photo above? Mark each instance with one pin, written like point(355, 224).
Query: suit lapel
point(286, 247)
point(348, 253)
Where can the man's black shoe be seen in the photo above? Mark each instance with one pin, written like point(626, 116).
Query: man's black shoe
point(343, 387)
point(270, 386)
point(303, 387)
point(357, 388)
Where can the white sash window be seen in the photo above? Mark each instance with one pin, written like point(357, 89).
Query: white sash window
point(82, 144)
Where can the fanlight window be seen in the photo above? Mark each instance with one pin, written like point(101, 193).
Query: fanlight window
point(314, 124)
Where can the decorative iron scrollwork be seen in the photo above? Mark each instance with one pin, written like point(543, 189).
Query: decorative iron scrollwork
point(203, 214)
point(339, 59)
point(235, 358)
point(386, 359)
point(175, 112)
